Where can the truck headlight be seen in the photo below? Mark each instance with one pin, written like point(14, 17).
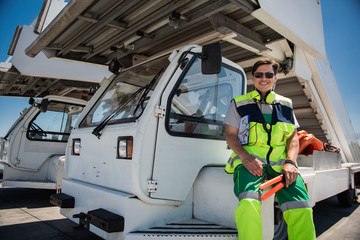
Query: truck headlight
point(125, 147)
point(75, 147)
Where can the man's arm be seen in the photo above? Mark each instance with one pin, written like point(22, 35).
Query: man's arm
point(290, 171)
point(252, 164)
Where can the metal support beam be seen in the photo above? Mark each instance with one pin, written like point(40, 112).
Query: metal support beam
point(12, 82)
point(114, 24)
point(50, 85)
point(72, 10)
point(42, 17)
point(195, 15)
point(152, 18)
point(107, 19)
point(30, 84)
point(246, 5)
point(238, 34)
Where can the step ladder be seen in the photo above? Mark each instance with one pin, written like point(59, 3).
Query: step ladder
point(185, 230)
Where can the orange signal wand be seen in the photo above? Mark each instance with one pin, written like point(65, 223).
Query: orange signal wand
point(271, 182)
point(274, 189)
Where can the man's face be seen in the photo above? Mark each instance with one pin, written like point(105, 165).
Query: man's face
point(260, 79)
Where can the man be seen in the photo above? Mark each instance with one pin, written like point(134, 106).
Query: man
point(261, 131)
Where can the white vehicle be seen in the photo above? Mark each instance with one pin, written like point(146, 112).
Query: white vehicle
point(146, 157)
point(33, 150)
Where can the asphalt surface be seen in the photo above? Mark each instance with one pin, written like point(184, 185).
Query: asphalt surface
point(28, 214)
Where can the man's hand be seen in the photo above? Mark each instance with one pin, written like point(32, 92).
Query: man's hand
point(290, 173)
point(253, 165)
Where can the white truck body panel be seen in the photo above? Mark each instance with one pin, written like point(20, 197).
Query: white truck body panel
point(306, 31)
point(54, 68)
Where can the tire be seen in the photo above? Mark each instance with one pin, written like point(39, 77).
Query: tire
point(346, 198)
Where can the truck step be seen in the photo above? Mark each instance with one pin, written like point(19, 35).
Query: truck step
point(191, 229)
point(29, 184)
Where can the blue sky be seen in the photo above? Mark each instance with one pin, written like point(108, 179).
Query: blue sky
point(341, 27)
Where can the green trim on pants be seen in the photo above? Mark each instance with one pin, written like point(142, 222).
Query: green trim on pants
point(293, 200)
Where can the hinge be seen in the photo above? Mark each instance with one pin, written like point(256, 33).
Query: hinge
point(159, 111)
point(151, 186)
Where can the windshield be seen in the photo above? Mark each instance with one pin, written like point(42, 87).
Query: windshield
point(56, 123)
point(120, 94)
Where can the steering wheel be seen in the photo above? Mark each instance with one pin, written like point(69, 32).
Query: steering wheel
point(35, 128)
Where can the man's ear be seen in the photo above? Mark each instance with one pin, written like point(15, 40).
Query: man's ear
point(275, 78)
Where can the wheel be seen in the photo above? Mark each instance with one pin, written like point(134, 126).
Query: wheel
point(280, 226)
point(38, 130)
point(346, 198)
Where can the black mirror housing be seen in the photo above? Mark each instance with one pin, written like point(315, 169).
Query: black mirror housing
point(115, 66)
point(211, 59)
point(31, 101)
point(44, 105)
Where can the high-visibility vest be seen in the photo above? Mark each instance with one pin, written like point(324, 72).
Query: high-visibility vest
point(267, 142)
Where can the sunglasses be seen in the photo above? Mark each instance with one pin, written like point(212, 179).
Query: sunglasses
point(267, 74)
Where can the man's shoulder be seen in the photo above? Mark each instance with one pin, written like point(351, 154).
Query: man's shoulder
point(245, 96)
point(283, 100)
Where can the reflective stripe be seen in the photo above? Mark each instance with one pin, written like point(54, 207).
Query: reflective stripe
point(244, 102)
point(295, 205)
point(283, 101)
point(280, 162)
point(251, 195)
point(232, 160)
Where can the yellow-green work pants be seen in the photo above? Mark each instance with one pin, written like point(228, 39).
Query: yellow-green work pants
point(293, 201)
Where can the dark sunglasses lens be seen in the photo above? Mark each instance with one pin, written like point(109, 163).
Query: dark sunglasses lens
point(260, 75)
point(269, 75)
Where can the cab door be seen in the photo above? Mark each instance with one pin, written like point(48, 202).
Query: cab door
point(43, 134)
point(192, 135)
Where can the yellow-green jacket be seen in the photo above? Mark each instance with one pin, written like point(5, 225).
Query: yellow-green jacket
point(266, 141)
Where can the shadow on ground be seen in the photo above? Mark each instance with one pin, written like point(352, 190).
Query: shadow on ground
point(328, 212)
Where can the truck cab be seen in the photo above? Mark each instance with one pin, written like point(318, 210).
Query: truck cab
point(33, 149)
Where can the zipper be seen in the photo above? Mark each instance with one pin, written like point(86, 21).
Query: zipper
point(268, 142)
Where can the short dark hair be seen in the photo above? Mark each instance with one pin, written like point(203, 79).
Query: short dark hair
point(265, 61)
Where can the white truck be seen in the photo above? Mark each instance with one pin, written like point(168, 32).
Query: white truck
point(145, 159)
point(32, 152)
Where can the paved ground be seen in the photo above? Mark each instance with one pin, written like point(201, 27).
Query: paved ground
point(334, 222)
point(27, 214)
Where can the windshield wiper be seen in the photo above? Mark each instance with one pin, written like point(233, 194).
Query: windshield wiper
point(104, 122)
point(145, 91)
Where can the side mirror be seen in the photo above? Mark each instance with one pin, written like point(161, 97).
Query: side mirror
point(211, 60)
point(44, 105)
point(31, 101)
point(115, 66)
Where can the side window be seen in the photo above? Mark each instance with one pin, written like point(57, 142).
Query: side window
point(56, 123)
point(199, 103)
